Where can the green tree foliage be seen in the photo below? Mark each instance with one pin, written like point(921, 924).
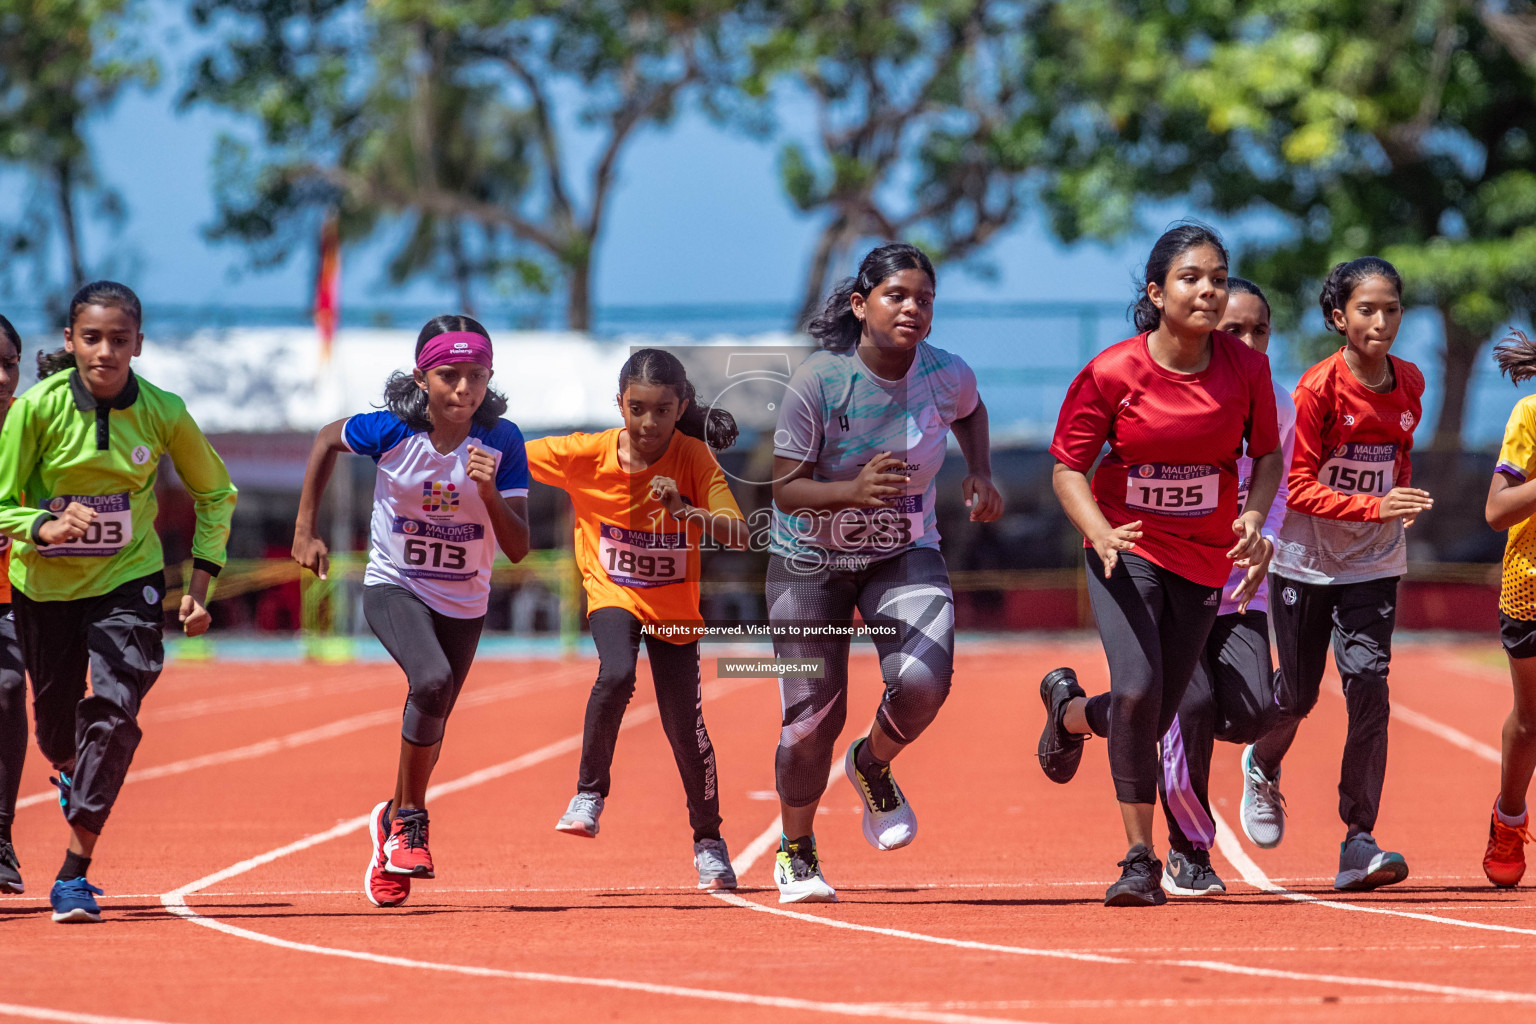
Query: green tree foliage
point(450, 115)
point(923, 126)
point(1405, 129)
point(61, 61)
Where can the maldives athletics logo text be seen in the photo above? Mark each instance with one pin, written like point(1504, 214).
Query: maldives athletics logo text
point(439, 496)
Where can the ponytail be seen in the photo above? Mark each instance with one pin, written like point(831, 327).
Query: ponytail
point(659, 368)
point(1516, 356)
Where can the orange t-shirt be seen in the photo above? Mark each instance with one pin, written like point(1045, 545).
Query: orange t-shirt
point(631, 553)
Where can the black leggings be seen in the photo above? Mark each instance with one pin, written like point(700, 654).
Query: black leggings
point(1153, 624)
point(13, 718)
point(909, 591)
point(679, 700)
point(1231, 697)
point(435, 650)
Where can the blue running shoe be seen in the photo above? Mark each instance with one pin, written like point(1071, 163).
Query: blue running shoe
point(64, 782)
point(74, 901)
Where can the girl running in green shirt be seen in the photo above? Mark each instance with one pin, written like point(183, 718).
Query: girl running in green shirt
point(78, 459)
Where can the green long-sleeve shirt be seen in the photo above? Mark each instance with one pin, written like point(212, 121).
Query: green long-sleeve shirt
point(60, 445)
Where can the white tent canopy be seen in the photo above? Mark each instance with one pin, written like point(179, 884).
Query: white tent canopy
point(271, 379)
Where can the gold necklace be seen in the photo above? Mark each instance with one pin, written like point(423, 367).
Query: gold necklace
point(1386, 371)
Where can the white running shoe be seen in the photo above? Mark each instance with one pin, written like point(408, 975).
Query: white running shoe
point(889, 823)
point(580, 818)
point(797, 873)
point(1263, 810)
point(714, 863)
point(1364, 865)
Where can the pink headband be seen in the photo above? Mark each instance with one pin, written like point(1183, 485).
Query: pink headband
point(455, 347)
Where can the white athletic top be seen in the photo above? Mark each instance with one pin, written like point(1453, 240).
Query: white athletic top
point(431, 533)
point(838, 414)
point(1285, 409)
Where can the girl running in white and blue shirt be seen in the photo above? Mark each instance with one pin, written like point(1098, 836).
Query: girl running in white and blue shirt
point(452, 487)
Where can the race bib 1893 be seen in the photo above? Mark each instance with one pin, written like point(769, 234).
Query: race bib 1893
point(635, 558)
point(108, 533)
point(1360, 469)
point(436, 551)
point(1169, 490)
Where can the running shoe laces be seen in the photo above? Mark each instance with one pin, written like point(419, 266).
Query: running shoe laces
point(1138, 862)
point(1508, 841)
point(584, 803)
point(1266, 791)
point(801, 861)
point(413, 830)
point(8, 854)
point(880, 788)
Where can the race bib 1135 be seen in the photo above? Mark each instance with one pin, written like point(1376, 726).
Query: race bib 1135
point(1169, 490)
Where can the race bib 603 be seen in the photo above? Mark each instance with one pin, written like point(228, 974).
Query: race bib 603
point(108, 533)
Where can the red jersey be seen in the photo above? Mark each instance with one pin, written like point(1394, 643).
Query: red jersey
point(1174, 441)
point(1351, 443)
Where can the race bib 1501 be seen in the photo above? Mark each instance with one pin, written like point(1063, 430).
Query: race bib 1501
point(108, 533)
point(635, 558)
point(1360, 469)
point(436, 551)
point(1168, 490)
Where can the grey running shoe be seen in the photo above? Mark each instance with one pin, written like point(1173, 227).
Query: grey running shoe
point(580, 819)
point(1364, 865)
point(1263, 810)
point(1060, 751)
point(10, 870)
point(1191, 875)
point(1138, 885)
point(714, 863)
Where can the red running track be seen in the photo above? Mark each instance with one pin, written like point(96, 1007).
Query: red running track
point(233, 867)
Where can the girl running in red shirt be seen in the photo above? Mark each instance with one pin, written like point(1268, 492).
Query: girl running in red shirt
point(1177, 405)
point(1338, 558)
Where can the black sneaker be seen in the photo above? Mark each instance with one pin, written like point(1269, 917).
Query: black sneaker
point(1060, 751)
point(1191, 874)
point(10, 870)
point(1138, 885)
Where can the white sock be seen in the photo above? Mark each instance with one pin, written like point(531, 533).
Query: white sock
point(1512, 821)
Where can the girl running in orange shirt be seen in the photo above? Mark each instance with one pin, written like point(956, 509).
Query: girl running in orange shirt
point(643, 495)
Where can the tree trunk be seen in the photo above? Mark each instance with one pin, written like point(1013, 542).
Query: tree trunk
point(831, 249)
point(463, 273)
point(578, 295)
point(64, 184)
point(1461, 348)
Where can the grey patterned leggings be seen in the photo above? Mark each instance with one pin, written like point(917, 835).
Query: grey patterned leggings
point(909, 591)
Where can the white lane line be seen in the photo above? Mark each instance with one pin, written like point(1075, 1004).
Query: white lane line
point(39, 1013)
point(1217, 966)
point(329, 731)
point(1455, 737)
point(175, 901)
point(245, 700)
point(1230, 848)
